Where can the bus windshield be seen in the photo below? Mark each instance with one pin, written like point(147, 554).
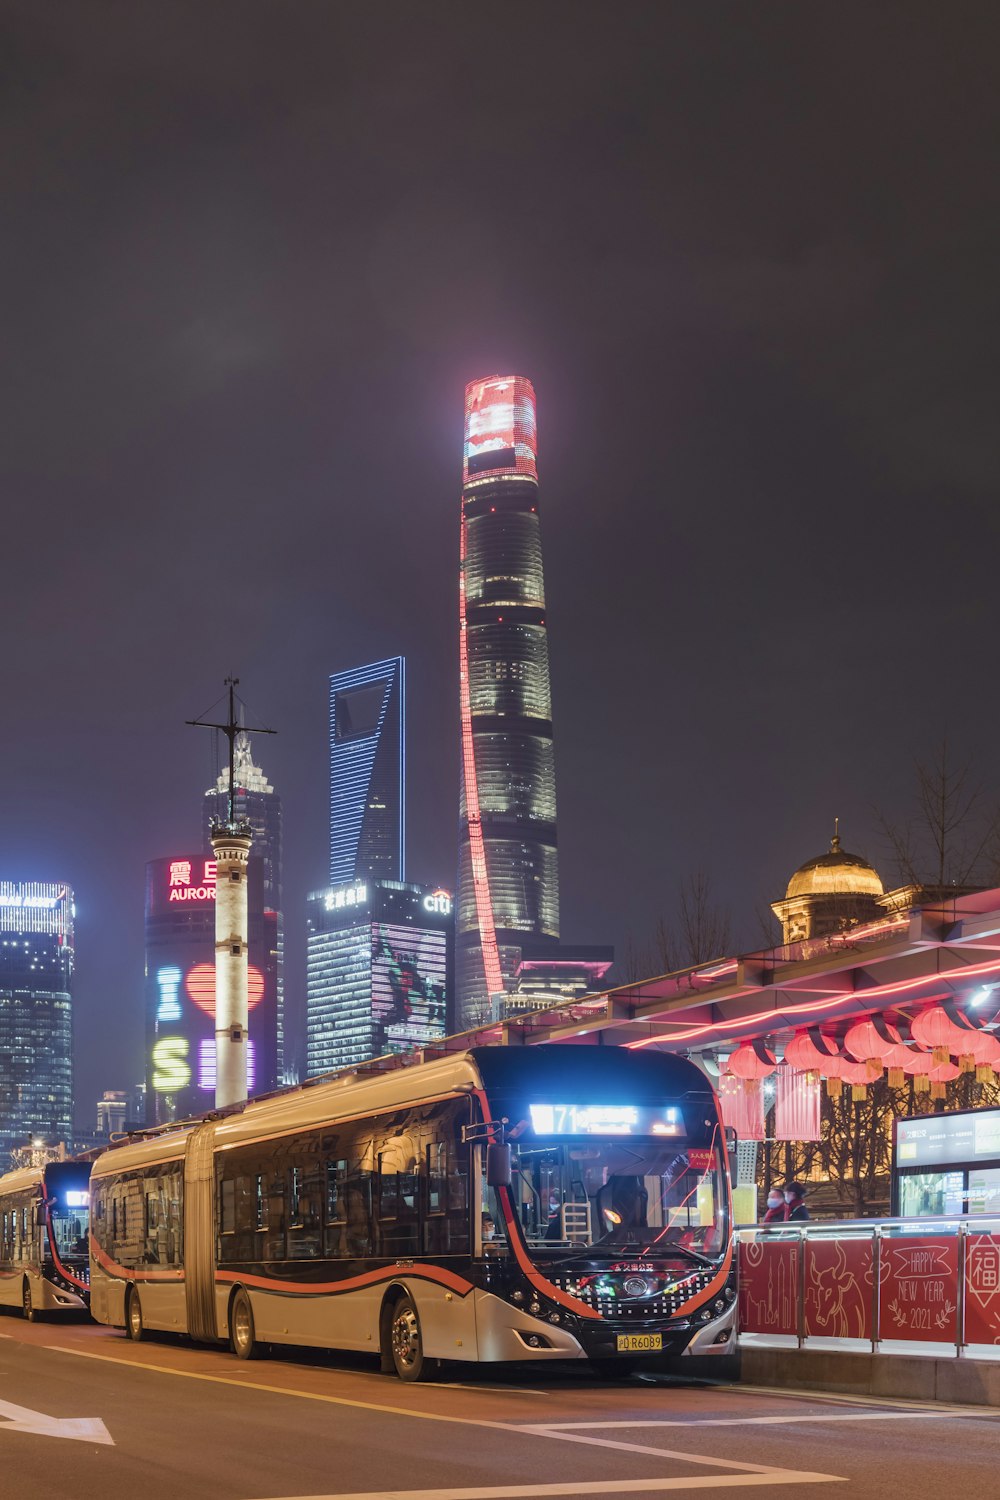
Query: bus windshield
point(639, 1197)
point(69, 1231)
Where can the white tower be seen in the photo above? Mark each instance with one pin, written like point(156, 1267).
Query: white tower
point(231, 847)
point(231, 839)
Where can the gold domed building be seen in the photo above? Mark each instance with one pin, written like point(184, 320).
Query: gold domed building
point(826, 894)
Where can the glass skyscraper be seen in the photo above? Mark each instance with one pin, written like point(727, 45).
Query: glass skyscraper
point(378, 974)
point(368, 772)
point(508, 877)
point(36, 1014)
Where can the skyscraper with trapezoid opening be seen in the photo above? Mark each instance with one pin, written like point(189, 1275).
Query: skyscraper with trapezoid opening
point(508, 877)
point(368, 772)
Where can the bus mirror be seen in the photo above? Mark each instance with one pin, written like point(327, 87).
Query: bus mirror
point(730, 1139)
point(498, 1164)
point(40, 1215)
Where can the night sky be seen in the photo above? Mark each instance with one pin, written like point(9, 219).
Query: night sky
point(251, 253)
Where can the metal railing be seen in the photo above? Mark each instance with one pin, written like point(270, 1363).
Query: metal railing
point(914, 1281)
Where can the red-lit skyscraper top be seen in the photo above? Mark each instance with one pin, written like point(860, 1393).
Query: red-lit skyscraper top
point(500, 430)
point(508, 875)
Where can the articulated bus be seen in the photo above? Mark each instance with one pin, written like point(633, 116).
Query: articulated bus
point(44, 1264)
point(502, 1204)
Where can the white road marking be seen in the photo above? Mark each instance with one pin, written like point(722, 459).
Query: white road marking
point(833, 1416)
point(612, 1487)
point(23, 1419)
point(742, 1467)
point(492, 1390)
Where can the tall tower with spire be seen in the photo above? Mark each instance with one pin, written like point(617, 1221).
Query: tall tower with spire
point(256, 803)
point(508, 876)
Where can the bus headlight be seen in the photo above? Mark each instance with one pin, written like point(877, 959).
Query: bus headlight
point(534, 1308)
point(517, 1296)
point(554, 1317)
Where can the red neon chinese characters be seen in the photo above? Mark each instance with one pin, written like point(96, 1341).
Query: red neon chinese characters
point(477, 846)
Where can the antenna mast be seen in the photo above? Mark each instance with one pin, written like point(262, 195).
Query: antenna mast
point(230, 729)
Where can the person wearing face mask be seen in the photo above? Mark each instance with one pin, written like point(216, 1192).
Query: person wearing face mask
point(795, 1202)
point(777, 1209)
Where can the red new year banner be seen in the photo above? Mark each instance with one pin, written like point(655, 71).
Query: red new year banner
point(918, 1289)
point(769, 1286)
point(982, 1289)
point(838, 1295)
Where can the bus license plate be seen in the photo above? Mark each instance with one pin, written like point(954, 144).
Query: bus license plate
point(635, 1343)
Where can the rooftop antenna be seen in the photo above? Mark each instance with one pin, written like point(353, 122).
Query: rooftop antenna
point(230, 729)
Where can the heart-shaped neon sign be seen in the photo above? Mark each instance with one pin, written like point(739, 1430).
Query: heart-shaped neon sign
point(199, 982)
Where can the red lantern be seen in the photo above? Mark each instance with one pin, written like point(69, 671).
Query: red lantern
point(803, 1053)
point(898, 1064)
point(872, 1042)
point(935, 1029)
point(857, 1075)
point(752, 1061)
point(944, 1073)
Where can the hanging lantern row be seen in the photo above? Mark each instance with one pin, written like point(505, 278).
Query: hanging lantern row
point(875, 1045)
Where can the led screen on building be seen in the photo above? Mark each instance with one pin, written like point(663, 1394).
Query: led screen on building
point(409, 986)
point(500, 432)
point(180, 986)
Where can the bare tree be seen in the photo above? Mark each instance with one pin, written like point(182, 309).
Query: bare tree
point(951, 837)
point(701, 929)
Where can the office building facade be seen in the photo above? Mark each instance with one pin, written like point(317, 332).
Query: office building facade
point(508, 874)
point(180, 986)
point(36, 1014)
point(368, 773)
point(379, 971)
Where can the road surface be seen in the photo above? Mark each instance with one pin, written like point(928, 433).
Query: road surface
point(87, 1415)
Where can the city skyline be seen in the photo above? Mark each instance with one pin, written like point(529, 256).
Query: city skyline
point(766, 389)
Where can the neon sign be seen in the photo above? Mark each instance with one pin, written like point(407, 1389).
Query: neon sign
point(347, 895)
point(207, 1064)
point(199, 981)
point(184, 885)
point(439, 902)
point(169, 981)
point(170, 1067)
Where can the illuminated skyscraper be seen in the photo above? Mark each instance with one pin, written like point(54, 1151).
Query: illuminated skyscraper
point(36, 1014)
point(508, 880)
point(180, 986)
point(379, 971)
point(368, 772)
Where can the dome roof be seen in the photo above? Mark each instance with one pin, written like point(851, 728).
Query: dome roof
point(836, 873)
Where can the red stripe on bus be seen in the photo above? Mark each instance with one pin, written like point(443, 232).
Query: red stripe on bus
point(350, 1283)
point(538, 1281)
point(107, 1264)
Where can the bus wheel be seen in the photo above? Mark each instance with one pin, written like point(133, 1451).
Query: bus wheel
point(406, 1342)
point(133, 1316)
point(26, 1304)
point(242, 1339)
point(613, 1369)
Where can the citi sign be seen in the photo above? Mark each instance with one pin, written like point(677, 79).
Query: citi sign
point(438, 902)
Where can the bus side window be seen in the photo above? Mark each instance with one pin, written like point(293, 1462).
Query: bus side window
point(336, 1206)
point(446, 1219)
point(305, 1208)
